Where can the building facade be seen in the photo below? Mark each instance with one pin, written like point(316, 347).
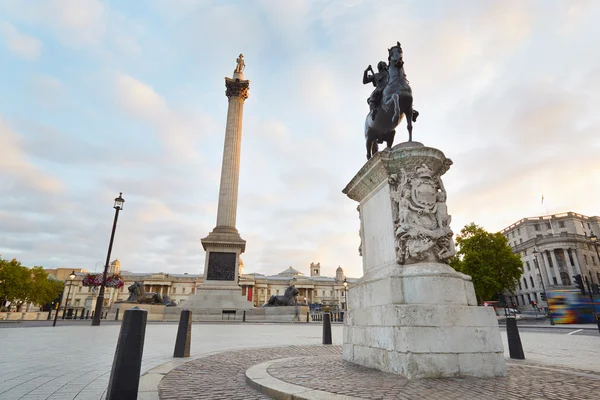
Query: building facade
point(564, 249)
point(315, 290)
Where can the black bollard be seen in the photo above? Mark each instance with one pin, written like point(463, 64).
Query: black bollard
point(184, 334)
point(82, 314)
point(307, 317)
point(124, 379)
point(75, 315)
point(326, 328)
point(244, 316)
point(117, 315)
point(87, 314)
point(92, 314)
point(515, 348)
point(49, 315)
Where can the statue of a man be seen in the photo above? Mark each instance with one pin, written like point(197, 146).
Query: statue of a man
point(240, 64)
point(379, 80)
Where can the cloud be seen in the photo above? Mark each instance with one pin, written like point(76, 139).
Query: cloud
point(18, 172)
point(177, 131)
point(24, 46)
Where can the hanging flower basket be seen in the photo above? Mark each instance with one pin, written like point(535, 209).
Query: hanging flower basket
point(112, 281)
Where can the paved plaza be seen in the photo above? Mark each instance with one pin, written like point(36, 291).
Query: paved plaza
point(74, 362)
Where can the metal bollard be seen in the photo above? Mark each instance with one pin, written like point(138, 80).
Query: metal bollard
point(49, 315)
point(75, 316)
point(87, 314)
point(515, 348)
point(117, 315)
point(82, 314)
point(244, 316)
point(124, 379)
point(307, 317)
point(184, 335)
point(326, 328)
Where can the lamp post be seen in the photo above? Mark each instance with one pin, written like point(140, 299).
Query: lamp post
point(100, 300)
point(346, 290)
point(537, 265)
point(71, 276)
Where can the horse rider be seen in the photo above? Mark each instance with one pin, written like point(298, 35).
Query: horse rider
point(379, 80)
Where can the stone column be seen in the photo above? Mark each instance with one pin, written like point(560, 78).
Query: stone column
point(237, 92)
point(544, 260)
point(551, 257)
point(576, 260)
point(568, 262)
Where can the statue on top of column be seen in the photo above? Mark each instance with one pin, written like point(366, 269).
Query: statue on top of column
point(239, 68)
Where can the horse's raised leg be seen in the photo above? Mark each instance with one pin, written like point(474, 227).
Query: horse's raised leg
point(397, 111)
point(408, 112)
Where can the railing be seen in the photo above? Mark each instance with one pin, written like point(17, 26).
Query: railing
point(336, 316)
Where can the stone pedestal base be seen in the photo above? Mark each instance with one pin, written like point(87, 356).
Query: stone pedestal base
point(411, 313)
point(222, 298)
point(422, 322)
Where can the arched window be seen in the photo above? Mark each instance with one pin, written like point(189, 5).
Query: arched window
point(531, 280)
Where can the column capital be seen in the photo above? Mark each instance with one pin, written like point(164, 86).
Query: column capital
point(237, 88)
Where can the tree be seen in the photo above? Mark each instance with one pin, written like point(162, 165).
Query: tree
point(19, 283)
point(488, 259)
point(43, 290)
point(14, 281)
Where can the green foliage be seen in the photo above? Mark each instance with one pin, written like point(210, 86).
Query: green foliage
point(18, 282)
point(488, 259)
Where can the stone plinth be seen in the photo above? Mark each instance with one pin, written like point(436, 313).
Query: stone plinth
point(411, 313)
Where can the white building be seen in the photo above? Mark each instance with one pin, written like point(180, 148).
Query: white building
point(564, 249)
point(315, 290)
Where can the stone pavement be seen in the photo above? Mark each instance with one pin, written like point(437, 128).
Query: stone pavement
point(74, 362)
point(223, 376)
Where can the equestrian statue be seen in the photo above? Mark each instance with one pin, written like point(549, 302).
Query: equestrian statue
point(288, 298)
point(390, 101)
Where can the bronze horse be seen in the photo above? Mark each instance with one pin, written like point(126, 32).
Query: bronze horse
point(396, 102)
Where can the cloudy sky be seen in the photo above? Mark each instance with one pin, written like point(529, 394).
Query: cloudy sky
point(102, 97)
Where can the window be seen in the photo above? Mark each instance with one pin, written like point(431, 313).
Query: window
point(561, 224)
point(593, 260)
point(518, 231)
point(554, 280)
point(529, 298)
point(520, 288)
point(520, 240)
point(523, 299)
point(582, 225)
point(585, 259)
point(183, 290)
point(525, 283)
point(531, 281)
point(537, 227)
point(331, 292)
point(535, 297)
point(80, 288)
point(528, 266)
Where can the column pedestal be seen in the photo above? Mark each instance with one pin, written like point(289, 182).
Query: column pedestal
point(411, 313)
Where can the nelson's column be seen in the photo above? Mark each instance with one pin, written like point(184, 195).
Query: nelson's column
point(224, 245)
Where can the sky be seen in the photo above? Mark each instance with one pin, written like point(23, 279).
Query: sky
point(101, 97)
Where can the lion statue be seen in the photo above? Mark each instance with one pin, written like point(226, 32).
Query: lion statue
point(288, 298)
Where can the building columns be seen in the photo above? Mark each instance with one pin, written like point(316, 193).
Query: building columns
point(570, 267)
point(548, 269)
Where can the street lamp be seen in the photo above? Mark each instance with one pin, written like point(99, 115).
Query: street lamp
point(537, 265)
point(72, 276)
point(346, 290)
point(119, 201)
